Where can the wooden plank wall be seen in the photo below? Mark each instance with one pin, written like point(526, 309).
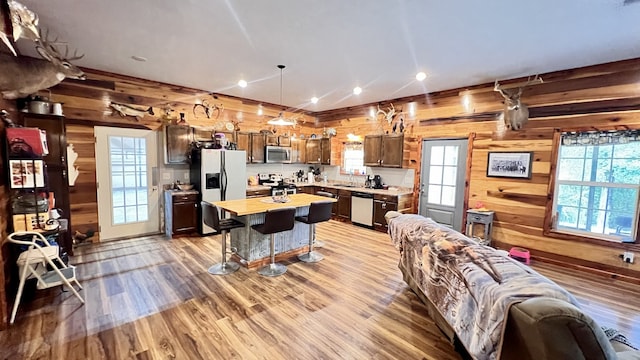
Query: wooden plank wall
point(86, 104)
point(597, 97)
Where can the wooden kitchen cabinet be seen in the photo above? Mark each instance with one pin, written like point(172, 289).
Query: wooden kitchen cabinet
point(258, 193)
point(177, 144)
point(334, 192)
point(372, 150)
point(253, 144)
point(344, 205)
point(384, 150)
point(271, 140)
point(298, 151)
point(382, 204)
point(306, 190)
point(284, 140)
point(388, 202)
point(180, 212)
point(319, 151)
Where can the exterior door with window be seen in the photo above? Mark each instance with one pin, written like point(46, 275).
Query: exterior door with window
point(128, 196)
point(442, 181)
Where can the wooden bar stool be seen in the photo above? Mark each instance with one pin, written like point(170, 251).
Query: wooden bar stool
point(318, 211)
point(317, 243)
point(275, 221)
point(211, 218)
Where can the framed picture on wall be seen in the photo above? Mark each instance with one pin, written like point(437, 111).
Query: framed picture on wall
point(26, 173)
point(509, 164)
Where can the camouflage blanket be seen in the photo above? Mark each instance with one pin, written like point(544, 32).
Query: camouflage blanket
point(472, 285)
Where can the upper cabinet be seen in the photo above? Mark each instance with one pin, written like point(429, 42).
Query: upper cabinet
point(319, 151)
point(177, 143)
point(253, 144)
point(383, 150)
point(299, 151)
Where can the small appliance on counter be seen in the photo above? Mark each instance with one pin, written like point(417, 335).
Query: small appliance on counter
point(377, 182)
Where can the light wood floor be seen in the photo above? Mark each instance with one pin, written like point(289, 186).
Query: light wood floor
point(152, 298)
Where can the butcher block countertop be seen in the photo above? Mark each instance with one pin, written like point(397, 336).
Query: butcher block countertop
point(258, 205)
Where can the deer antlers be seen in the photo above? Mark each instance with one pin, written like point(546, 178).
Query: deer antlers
point(209, 109)
point(50, 51)
point(389, 114)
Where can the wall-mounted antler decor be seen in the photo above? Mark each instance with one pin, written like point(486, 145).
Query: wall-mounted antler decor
point(209, 109)
point(515, 114)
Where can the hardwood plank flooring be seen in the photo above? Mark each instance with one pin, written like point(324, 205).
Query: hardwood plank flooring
point(152, 298)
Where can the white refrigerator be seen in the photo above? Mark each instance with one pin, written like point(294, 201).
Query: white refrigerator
point(218, 175)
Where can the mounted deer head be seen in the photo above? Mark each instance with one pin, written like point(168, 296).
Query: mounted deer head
point(23, 21)
point(22, 76)
point(515, 114)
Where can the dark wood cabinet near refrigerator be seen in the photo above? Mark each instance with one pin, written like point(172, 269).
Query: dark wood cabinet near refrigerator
point(253, 144)
point(181, 212)
point(57, 170)
point(177, 142)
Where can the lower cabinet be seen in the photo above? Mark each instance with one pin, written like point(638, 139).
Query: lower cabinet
point(180, 212)
point(332, 191)
point(382, 204)
point(258, 193)
point(306, 189)
point(344, 205)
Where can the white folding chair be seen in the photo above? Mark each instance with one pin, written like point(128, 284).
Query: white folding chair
point(32, 263)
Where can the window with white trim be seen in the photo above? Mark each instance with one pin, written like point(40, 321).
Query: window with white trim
point(353, 158)
point(597, 185)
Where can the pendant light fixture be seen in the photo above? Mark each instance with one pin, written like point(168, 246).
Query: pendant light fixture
point(280, 120)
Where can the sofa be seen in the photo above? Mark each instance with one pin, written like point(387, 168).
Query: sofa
point(492, 305)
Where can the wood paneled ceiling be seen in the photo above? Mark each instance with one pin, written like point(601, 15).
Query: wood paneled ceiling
point(331, 46)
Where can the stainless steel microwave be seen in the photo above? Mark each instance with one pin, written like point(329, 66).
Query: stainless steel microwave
point(277, 154)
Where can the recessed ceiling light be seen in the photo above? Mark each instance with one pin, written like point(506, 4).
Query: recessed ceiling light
point(242, 83)
point(421, 76)
point(357, 90)
point(314, 100)
point(139, 58)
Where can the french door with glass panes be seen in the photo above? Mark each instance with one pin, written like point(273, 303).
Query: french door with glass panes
point(128, 196)
point(442, 176)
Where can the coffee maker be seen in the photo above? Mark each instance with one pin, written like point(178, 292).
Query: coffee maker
point(377, 182)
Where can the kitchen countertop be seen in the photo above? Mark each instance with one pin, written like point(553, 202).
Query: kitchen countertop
point(400, 191)
point(181, 192)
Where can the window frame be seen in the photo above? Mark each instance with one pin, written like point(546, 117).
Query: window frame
point(548, 229)
point(343, 169)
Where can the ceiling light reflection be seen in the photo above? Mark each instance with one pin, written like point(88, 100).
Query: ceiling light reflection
point(421, 76)
point(314, 100)
point(357, 90)
point(242, 83)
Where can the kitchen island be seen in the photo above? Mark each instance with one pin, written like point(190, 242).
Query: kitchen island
point(252, 246)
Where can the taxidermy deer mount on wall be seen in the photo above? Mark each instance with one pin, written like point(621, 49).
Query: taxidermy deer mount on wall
point(18, 21)
point(23, 75)
point(515, 114)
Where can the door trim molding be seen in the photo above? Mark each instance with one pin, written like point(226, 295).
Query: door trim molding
point(467, 180)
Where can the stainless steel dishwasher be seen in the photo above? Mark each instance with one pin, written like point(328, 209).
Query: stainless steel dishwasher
point(362, 208)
